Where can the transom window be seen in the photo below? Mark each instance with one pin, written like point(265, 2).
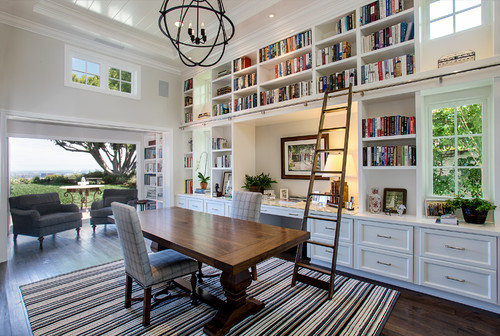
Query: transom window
point(457, 150)
point(451, 16)
point(120, 80)
point(84, 72)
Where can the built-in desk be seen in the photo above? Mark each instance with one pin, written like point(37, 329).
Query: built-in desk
point(456, 262)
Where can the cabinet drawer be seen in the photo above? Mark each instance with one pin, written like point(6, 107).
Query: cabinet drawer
point(463, 248)
point(468, 281)
point(214, 208)
point(324, 254)
point(385, 236)
point(326, 229)
point(390, 264)
point(195, 204)
point(281, 211)
point(180, 202)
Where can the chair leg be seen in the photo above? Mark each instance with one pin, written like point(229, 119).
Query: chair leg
point(128, 291)
point(194, 301)
point(146, 309)
point(254, 272)
point(77, 232)
point(93, 227)
point(40, 239)
point(200, 273)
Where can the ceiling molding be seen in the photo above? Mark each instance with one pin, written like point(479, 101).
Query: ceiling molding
point(66, 37)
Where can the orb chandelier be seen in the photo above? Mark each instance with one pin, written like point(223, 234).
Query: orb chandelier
point(183, 22)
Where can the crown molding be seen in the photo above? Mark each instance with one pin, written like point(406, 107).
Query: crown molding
point(69, 38)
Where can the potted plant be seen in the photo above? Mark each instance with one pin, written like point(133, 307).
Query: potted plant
point(475, 209)
point(203, 180)
point(258, 183)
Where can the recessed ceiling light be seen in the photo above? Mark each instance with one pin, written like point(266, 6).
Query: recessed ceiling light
point(272, 15)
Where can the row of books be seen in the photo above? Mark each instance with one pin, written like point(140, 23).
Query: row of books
point(188, 116)
point(220, 109)
point(220, 143)
point(337, 80)
point(381, 9)
point(159, 182)
point(150, 180)
point(388, 36)
point(389, 68)
point(346, 23)
point(293, 65)
point(188, 162)
point(150, 153)
point(151, 193)
point(404, 155)
point(188, 100)
point(150, 167)
point(188, 186)
point(285, 46)
point(292, 91)
point(245, 103)
point(223, 161)
point(188, 84)
point(245, 81)
point(333, 53)
point(387, 126)
point(241, 63)
point(223, 90)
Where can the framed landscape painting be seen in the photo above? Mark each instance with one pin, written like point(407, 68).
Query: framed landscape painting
point(297, 156)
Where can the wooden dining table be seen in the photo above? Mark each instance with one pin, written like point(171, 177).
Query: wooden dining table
point(228, 244)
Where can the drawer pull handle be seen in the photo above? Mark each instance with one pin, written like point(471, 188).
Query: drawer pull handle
point(293, 214)
point(329, 228)
point(454, 279)
point(382, 236)
point(215, 209)
point(383, 263)
point(329, 251)
point(455, 248)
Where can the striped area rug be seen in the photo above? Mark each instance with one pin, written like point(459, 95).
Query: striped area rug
point(90, 302)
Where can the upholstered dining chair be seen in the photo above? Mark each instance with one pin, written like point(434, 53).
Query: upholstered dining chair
point(246, 206)
point(147, 269)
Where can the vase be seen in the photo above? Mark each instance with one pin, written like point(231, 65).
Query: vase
point(374, 201)
point(474, 216)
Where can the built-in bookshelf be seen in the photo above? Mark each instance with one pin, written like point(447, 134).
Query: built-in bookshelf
point(153, 174)
point(188, 100)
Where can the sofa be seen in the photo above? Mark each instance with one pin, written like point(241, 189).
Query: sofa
point(39, 215)
point(101, 210)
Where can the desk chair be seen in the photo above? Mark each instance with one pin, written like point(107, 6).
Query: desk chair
point(147, 270)
point(246, 206)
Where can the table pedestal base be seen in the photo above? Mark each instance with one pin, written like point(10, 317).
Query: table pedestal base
point(237, 306)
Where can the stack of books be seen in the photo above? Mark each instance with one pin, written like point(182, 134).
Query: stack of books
point(447, 219)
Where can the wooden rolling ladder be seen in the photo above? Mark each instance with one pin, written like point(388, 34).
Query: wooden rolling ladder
point(300, 263)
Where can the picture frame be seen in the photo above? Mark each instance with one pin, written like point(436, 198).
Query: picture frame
point(392, 198)
point(297, 154)
point(435, 208)
point(284, 194)
point(227, 184)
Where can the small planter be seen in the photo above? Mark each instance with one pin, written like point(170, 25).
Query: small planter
point(474, 216)
point(256, 189)
point(203, 185)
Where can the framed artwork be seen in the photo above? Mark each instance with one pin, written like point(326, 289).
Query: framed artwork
point(297, 156)
point(284, 194)
point(392, 198)
point(437, 208)
point(227, 184)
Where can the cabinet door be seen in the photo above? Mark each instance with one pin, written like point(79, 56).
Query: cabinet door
point(195, 204)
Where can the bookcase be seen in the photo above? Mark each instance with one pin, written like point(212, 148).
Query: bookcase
point(154, 180)
point(188, 100)
point(187, 150)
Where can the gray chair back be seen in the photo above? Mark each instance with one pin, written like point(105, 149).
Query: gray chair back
point(118, 195)
point(27, 202)
point(132, 241)
point(246, 205)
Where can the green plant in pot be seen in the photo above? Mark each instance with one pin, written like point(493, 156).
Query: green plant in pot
point(475, 209)
point(258, 183)
point(203, 180)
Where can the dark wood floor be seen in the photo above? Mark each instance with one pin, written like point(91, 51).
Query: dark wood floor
point(414, 313)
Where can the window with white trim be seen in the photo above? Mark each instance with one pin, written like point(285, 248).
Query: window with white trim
point(91, 71)
point(451, 16)
point(458, 143)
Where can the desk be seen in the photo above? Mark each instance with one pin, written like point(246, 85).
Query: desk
point(83, 190)
point(228, 244)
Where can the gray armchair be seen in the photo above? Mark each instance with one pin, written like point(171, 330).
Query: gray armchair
point(101, 210)
point(39, 215)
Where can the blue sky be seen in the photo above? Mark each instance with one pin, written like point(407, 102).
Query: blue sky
point(40, 154)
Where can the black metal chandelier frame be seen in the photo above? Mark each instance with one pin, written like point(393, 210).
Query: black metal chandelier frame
point(198, 41)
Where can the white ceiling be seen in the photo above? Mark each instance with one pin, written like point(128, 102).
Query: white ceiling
point(132, 25)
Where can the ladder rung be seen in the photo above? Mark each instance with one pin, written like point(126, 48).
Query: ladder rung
point(318, 194)
point(314, 268)
point(330, 150)
point(313, 281)
point(332, 129)
point(319, 243)
point(335, 109)
point(328, 171)
point(321, 218)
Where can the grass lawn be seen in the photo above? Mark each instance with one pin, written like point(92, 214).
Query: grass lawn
point(25, 189)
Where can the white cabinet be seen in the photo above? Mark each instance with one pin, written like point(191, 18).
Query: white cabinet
point(214, 207)
point(180, 201)
point(195, 204)
point(385, 249)
point(458, 263)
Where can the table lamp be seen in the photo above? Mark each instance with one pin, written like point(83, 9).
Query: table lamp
point(334, 163)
